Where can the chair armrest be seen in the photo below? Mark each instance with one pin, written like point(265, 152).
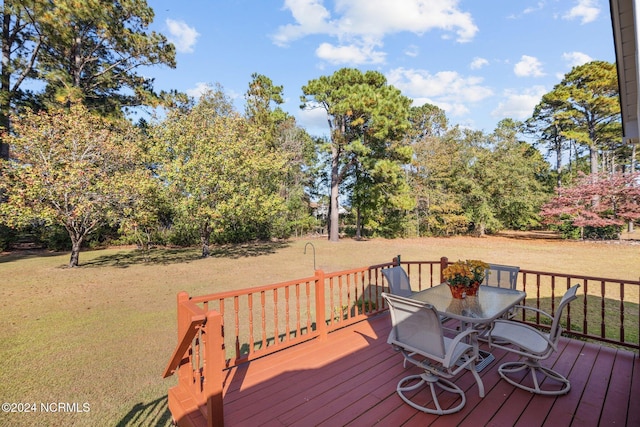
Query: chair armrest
point(457, 340)
point(499, 344)
point(529, 308)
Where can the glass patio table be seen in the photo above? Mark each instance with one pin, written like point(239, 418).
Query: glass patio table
point(489, 304)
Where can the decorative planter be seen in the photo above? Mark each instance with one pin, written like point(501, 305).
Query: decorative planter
point(458, 291)
point(463, 291)
point(473, 290)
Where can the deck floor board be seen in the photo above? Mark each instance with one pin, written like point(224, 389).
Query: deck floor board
point(350, 379)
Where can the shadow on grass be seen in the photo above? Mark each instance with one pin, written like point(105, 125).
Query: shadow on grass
point(18, 254)
point(155, 413)
point(530, 235)
point(183, 255)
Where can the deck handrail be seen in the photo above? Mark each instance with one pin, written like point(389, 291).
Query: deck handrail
point(222, 330)
point(197, 318)
point(199, 361)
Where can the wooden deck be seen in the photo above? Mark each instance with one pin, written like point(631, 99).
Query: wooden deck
point(350, 379)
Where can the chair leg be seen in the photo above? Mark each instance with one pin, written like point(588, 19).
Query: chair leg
point(474, 371)
point(534, 367)
point(432, 381)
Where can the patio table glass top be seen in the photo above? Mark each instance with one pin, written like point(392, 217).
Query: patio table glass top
point(489, 304)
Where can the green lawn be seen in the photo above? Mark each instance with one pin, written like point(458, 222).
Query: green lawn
point(102, 333)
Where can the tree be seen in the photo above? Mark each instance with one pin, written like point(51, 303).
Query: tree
point(435, 167)
point(512, 174)
point(585, 108)
point(470, 182)
point(21, 42)
point(84, 51)
point(263, 100)
point(92, 49)
point(144, 208)
point(70, 168)
point(281, 134)
point(616, 196)
point(367, 120)
point(298, 148)
point(223, 175)
point(549, 123)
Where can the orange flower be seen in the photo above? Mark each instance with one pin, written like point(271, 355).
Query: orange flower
point(465, 273)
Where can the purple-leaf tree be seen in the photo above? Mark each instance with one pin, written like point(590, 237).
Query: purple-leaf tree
point(596, 200)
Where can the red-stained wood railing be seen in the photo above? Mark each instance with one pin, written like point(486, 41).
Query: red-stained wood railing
point(219, 331)
point(198, 360)
point(607, 310)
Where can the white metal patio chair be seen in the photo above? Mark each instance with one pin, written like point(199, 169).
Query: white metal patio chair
point(417, 332)
point(533, 345)
point(501, 276)
point(398, 281)
point(399, 284)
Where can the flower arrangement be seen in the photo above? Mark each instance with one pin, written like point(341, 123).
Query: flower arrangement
point(465, 273)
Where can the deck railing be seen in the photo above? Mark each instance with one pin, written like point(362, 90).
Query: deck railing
point(222, 330)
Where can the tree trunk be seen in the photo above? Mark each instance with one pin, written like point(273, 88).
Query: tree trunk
point(358, 223)
point(205, 236)
point(334, 217)
point(76, 243)
point(633, 169)
point(482, 229)
point(5, 88)
point(559, 164)
point(593, 159)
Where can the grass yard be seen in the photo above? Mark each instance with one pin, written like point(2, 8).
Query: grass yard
point(101, 334)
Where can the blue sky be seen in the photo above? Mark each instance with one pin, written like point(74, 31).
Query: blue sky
point(480, 61)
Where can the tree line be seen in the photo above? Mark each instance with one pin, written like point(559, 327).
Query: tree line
point(76, 171)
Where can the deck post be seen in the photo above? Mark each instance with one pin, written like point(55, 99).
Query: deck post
point(321, 321)
point(213, 368)
point(185, 372)
point(444, 262)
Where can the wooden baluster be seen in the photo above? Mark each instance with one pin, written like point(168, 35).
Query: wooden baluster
point(213, 364)
point(568, 307)
point(276, 332)
point(321, 323)
point(298, 331)
point(537, 297)
point(251, 335)
point(602, 310)
point(263, 315)
point(553, 295)
point(585, 323)
point(308, 299)
point(287, 328)
point(621, 339)
point(236, 309)
point(197, 372)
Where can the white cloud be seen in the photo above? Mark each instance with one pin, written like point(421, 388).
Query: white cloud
point(311, 18)
point(585, 10)
point(573, 59)
point(198, 90)
point(367, 22)
point(531, 9)
point(528, 66)
point(314, 121)
point(452, 109)
point(446, 89)
point(181, 35)
point(519, 106)
point(349, 54)
point(478, 63)
point(412, 51)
